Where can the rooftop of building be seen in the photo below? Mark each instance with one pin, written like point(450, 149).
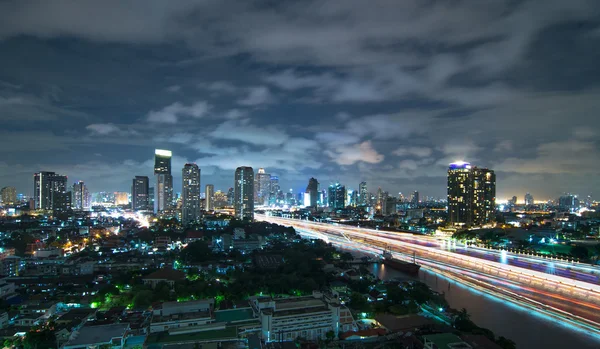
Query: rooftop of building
point(97, 334)
point(155, 339)
point(447, 341)
point(405, 323)
point(234, 315)
point(181, 316)
point(166, 274)
point(76, 314)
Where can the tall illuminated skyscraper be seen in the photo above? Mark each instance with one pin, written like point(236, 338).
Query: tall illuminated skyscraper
point(140, 193)
point(210, 197)
point(263, 187)
point(312, 191)
point(471, 195)
point(336, 196)
point(81, 197)
point(190, 194)
point(163, 191)
point(528, 199)
point(50, 192)
point(243, 201)
point(363, 195)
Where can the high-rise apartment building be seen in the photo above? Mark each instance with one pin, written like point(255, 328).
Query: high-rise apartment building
point(243, 201)
point(210, 197)
point(263, 187)
point(50, 192)
point(528, 199)
point(190, 194)
point(9, 195)
point(312, 191)
point(363, 195)
point(471, 195)
point(336, 196)
point(415, 199)
point(163, 191)
point(275, 190)
point(140, 193)
point(81, 196)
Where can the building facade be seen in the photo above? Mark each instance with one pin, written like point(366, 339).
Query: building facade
point(50, 192)
point(243, 201)
point(9, 195)
point(312, 191)
point(210, 197)
point(140, 193)
point(163, 191)
point(336, 196)
point(81, 196)
point(363, 194)
point(528, 199)
point(471, 195)
point(263, 187)
point(190, 194)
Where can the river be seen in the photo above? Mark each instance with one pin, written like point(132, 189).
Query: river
point(526, 328)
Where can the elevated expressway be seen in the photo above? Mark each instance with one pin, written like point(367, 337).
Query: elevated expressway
point(568, 292)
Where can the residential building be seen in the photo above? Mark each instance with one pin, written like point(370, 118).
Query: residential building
point(103, 336)
point(190, 194)
point(140, 193)
point(170, 316)
point(312, 192)
point(170, 276)
point(308, 317)
point(471, 195)
point(243, 201)
point(9, 195)
point(568, 202)
point(415, 199)
point(163, 191)
point(81, 197)
point(210, 197)
point(11, 266)
point(50, 192)
point(336, 196)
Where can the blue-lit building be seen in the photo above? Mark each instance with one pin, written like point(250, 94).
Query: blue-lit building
point(336, 196)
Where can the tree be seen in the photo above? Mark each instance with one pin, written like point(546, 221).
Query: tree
point(358, 302)
point(347, 257)
point(580, 252)
point(329, 335)
point(143, 299)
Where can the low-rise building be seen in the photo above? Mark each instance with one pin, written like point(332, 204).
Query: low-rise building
point(176, 315)
point(170, 276)
point(103, 336)
point(307, 317)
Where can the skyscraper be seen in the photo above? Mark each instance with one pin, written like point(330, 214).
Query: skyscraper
point(274, 190)
point(9, 195)
point(263, 186)
point(140, 193)
point(81, 197)
point(363, 195)
point(190, 205)
point(336, 197)
point(528, 199)
point(50, 191)
point(230, 196)
point(163, 192)
point(243, 201)
point(312, 190)
point(471, 194)
point(210, 197)
point(415, 199)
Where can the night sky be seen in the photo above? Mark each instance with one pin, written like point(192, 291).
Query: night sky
point(384, 91)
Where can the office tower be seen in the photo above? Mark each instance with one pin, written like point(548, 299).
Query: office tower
point(243, 201)
point(140, 193)
point(414, 199)
point(50, 192)
point(471, 194)
point(568, 202)
point(274, 190)
point(163, 192)
point(379, 203)
point(336, 197)
point(121, 198)
point(190, 204)
point(230, 196)
point(352, 198)
point(210, 197)
point(9, 195)
point(528, 199)
point(312, 192)
point(363, 195)
point(263, 186)
point(81, 196)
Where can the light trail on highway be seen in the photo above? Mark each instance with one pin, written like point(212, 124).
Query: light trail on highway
point(571, 302)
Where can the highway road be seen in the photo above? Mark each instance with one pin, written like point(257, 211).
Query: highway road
point(564, 291)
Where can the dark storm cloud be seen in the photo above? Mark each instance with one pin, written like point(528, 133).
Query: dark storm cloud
point(383, 91)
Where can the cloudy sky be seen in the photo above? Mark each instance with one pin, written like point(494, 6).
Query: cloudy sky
point(384, 91)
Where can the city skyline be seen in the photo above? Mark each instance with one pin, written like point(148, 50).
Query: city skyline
point(410, 88)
